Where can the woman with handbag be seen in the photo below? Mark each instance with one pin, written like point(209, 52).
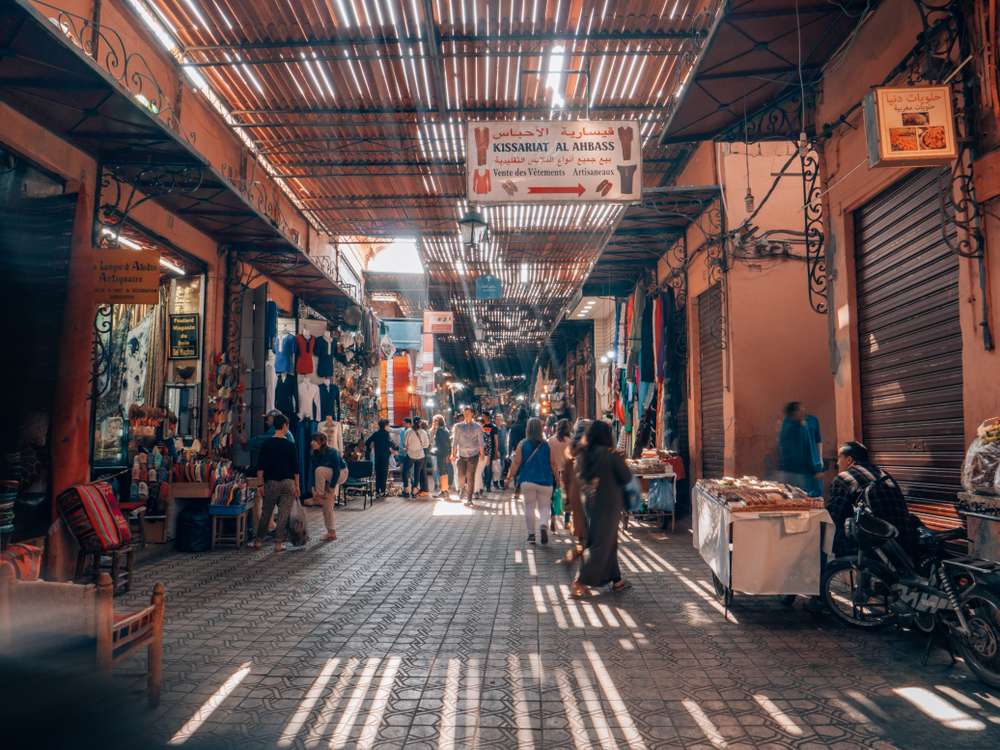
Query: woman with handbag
point(601, 475)
point(536, 470)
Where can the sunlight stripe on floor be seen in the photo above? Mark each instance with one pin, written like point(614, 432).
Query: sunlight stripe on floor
point(379, 704)
point(308, 702)
point(635, 560)
point(705, 724)
point(473, 691)
point(209, 706)
point(609, 615)
point(593, 703)
point(778, 715)
point(574, 613)
point(556, 608)
point(332, 701)
point(960, 697)
point(525, 740)
point(350, 715)
point(939, 709)
point(588, 610)
point(626, 618)
point(628, 565)
point(449, 709)
point(537, 670)
point(539, 600)
point(621, 713)
point(532, 570)
point(573, 717)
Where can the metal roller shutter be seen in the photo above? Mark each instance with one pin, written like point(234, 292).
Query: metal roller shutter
point(713, 435)
point(911, 346)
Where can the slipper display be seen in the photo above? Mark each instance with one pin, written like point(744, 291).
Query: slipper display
point(143, 492)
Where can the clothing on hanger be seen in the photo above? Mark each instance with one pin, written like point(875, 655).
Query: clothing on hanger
point(334, 433)
point(308, 399)
point(283, 354)
point(304, 360)
point(324, 351)
point(270, 323)
point(329, 399)
point(286, 395)
point(270, 383)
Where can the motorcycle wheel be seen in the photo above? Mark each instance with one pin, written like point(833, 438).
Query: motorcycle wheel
point(861, 599)
point(722, 592)
point(982, 651)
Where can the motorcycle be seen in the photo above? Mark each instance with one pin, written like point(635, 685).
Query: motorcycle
point(883, 585)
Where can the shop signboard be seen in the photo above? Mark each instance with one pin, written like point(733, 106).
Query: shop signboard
point(479, 391)
point(911, 126)
point(439, 322)
point(123, 276)
point(489, 287)
point(582, 161)
point(184, 336)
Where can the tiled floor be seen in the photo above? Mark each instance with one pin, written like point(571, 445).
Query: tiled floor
point(430, 626)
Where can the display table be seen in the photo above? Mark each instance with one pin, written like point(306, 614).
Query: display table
point(651, 513)
point(765, 552)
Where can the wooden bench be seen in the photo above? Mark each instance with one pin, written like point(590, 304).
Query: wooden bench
point(42, 607)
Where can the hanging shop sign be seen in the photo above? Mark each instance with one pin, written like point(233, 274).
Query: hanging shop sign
point(439, 322)
point(479, 391)
point(489, 287)
point(912, 126)
point(184, 336)
point(123, 276)
point(592, 161)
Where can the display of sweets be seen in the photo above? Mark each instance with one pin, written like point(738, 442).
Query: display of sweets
point(749, 495)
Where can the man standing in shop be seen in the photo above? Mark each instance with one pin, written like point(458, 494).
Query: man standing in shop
point(467, 447)
point(278, 482)
point(255, 444)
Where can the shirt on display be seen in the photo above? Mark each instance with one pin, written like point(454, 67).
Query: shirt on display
point(283, 354)
point(329, 401)
point(309, 406)
point(286, 394)
point(304, 350)
point(324, 351)
point(270, 383)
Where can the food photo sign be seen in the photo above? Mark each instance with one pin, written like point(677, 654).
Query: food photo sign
point(580, 161)
point(911, 126)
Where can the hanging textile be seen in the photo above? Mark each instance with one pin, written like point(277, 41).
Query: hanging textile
point(658, 336)
point(400, 393)
point(638, 310)
point(647, 363)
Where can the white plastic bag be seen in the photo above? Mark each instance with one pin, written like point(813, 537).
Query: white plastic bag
point(979, 473)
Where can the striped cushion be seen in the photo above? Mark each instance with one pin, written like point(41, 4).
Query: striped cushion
point(92, 513)
point(25, 559)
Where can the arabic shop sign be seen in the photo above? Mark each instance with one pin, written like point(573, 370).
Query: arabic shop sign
point(126, 277)
point(489, 287)
point(592, 161)
point(910, 126)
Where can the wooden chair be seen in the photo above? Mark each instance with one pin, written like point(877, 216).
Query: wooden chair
point(110, 560)
point(43, 608)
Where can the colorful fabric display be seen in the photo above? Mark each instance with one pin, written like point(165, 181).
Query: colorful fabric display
point(91, 511)
point(24, 559)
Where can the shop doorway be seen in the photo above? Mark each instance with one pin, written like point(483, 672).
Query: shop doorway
point(713, 432)
point(910, 345)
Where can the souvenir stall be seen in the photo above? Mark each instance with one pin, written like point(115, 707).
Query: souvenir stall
point(643, 386)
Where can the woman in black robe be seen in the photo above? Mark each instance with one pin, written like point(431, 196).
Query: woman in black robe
point(601, 475)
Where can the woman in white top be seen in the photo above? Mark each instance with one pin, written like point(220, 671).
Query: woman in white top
point(413, 458)
point(425, 441)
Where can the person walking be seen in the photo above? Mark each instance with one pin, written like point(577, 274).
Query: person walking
point(517, 431)
point(801, 449)
point(442, 448)
point(467, 447)
point(558, 444)
point(425, 440)
point(490, 432)
point(380, 442)
point(537, 467)
point(413, 454)
point(278, 482)
point(601, 474)
point(502, 434)
point(331, 472)
point(575, 519)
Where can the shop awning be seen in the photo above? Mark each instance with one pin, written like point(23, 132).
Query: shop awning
point(404, 333)
point(46, 75)
point(751, 63)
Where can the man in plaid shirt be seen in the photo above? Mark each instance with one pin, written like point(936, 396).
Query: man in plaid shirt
point(886, 501)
